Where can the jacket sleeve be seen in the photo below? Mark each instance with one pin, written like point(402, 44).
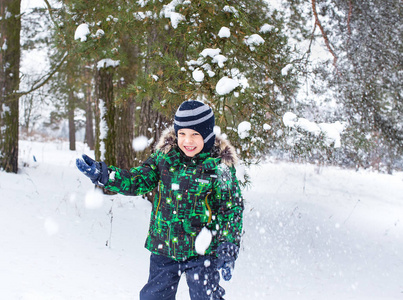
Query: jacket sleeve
point(231, 206)
point(136, 181)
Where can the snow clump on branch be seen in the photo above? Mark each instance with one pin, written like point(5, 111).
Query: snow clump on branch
point(168, 11)
point(266, 28)
point(224, 32)
point(243, 129)
point(198, 75)
point(331, 131)
point(81, 32)
point(226, 85)
point(253, 40)
point(107, 62)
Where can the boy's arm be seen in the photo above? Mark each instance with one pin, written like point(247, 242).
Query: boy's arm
point(231, 207)
point(136, 181)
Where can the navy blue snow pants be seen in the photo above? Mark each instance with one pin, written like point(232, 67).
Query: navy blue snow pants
point(202, 278)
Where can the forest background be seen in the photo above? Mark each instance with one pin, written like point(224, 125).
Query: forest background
point(303, 80)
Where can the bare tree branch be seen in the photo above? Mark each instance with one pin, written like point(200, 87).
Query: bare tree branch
point(44, 78)
point(324, 35)
point(50, 10)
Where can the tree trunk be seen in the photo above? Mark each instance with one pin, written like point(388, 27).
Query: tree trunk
point(151, 124)
point(125, 134)
point(72, 126)
point(10, 26)
point(89, 126)
point(125, 118)
point(106, 130)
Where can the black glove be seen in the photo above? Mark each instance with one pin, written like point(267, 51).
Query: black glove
point(227, 253)
point(94, 170)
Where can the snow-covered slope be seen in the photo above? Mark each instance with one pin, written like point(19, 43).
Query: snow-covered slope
point(309, 233)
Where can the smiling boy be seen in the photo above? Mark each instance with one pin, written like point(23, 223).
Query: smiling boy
point(197, 192)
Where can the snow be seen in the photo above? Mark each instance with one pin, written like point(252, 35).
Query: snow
point(140, 143)
point(198, 75)
point(93, 199)
point(308, 126)
point(81, 32)
point(4, 110)
point(217, 131)
point(220, 60)
point(142, 3)
point(331, 131)
point(103, 127)
point(226, 85)
point(254, 40)
point(7, 15)
point(309, 232)
point(99, 33)
point(4, 47)
point(266, 28)
point(216, 58)
point(285, 70)
point(203, 241)
point(266, 126)
point(230, 9)
point(107, 62)
point(51, 226)
point(210, 52)
point(243, 129)
point(207, 68)
point(143, 15)
point(290, 119)
point(224, 32)
point(168, 11)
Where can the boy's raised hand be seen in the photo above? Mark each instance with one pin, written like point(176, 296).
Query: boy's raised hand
point(94, 170)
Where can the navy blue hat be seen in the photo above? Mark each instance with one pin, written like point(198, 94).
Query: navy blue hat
point(197, 116)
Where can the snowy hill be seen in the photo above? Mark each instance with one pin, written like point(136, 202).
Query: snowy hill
point(309, 234)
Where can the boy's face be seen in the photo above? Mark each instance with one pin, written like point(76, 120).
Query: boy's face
point(190, 141)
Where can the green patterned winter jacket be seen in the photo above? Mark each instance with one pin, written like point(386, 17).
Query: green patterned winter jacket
point(193, 193)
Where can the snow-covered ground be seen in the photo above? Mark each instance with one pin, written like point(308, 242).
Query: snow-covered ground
point(310, 233)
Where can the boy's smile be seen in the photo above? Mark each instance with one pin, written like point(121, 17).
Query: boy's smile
point(190, 142)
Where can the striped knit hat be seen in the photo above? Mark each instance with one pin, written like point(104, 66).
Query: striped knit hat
point(197, 116)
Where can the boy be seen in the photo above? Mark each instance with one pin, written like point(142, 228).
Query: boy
point(196, 219)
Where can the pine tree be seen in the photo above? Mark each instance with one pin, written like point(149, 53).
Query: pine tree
point(173, 51)
point(92, 51)
point(190, 59)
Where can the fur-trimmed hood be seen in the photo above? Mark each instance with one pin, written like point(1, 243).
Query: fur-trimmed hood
point(222, 147)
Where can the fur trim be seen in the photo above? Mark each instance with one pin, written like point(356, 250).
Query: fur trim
point(167, 140)
point(222, 147)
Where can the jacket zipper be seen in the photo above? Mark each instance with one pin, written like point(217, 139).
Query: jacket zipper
point(159, 200)
point(210, 215)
